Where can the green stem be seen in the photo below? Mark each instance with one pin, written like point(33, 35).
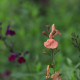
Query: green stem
point(53, 62)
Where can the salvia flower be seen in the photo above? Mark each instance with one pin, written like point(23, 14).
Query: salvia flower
point(51, 43)
point(21, 59)
point(6, 74)
point(9, 31)
point(56, 76)
point(12, 57)
point(53, 32)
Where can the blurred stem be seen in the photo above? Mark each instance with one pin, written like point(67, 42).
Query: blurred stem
point(4, 40)
point(53, 61)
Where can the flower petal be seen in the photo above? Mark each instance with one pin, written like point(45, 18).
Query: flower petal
point(51, 43)
point(56, 76)
point(57, 32)
point(53, 28)
point(51, 33)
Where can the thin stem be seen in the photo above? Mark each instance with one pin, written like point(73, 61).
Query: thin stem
point(6, 43)
point(53, 62)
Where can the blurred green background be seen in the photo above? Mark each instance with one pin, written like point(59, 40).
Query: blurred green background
point(29, 18)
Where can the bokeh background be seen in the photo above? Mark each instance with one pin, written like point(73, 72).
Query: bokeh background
point(29, 18)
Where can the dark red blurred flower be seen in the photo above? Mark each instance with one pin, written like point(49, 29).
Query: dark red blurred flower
point(6, 73)
point(21, 59)
point(12, 57)
point(9, 31)
point(11, 51)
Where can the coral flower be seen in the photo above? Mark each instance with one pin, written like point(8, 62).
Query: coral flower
point(51, 43)
point(9, 31)
point(12, 57)
point(54, 32)
point(21, 59)
point(56, 76)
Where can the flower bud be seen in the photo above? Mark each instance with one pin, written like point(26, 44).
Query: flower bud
point(48, 27)
point(44, 33)
point(73, 34)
